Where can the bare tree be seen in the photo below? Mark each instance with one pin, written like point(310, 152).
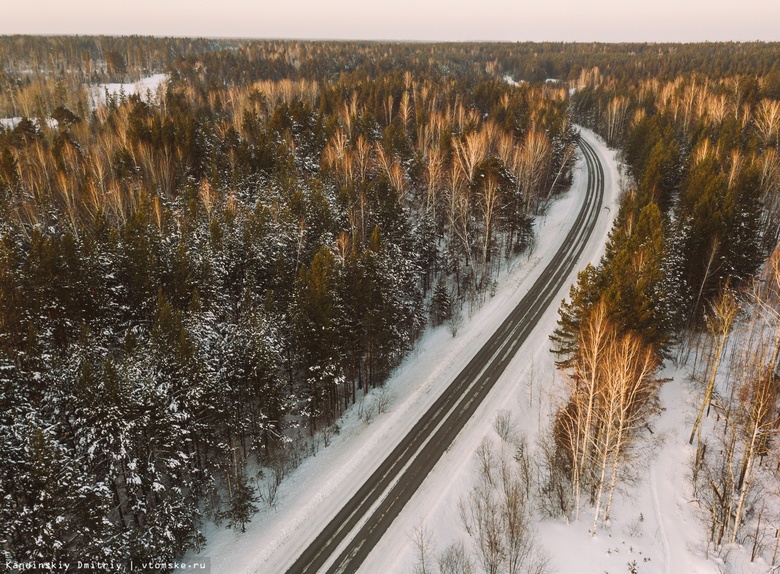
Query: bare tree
point(434, 174)
point(767, 121)
point(481, 518)
point(769, 165)
point(424, 545)
point(719, 322)
point(481, 514)
point(530, 166)
point(455, 321)
point(613, 393)
point(488, 204)
point(554, 485)
point(634, 364)
point(496, 514)
point(616, 119)
point(470, 152)
point(504, 426)
point(517, 542)
point(455, 560)
point(594, 339)
point(726, 475)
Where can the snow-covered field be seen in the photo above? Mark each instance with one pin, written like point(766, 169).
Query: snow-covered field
point(150, 83)
point(97, 95)
point(11, 123)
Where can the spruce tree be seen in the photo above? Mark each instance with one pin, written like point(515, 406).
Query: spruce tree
point(242, 503)
point(441, 305)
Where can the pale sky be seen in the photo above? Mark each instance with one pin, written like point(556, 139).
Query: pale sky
point(505, 20)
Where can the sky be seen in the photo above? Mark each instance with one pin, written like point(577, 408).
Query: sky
point(437, 20)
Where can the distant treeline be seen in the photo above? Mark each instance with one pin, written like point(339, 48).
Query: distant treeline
point(38, 63)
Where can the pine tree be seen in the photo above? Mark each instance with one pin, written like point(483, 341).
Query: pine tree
point(241, 505)
point(635, 276)
point(441, 305)
point(316, 319)
point(573, 313)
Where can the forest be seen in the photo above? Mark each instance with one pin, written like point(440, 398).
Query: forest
point(198, 279)
point(690, 278)
point(195, 281)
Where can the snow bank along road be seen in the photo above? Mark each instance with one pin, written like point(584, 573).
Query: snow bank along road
point(376, 504)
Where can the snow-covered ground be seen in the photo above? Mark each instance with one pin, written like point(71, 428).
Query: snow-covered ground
point(654, 520)
point(654, 526)
point(509, 80)
point(97, 95)
point(316, 490)
point(150, 83)
point(11, 123)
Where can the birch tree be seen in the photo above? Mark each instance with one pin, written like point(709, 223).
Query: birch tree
point(719, 323)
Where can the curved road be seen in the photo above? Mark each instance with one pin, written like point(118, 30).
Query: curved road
point(381, 498)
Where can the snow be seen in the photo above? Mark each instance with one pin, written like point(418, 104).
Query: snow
point(150, 83)
point(98, 95)
point(508, 79)
point(11, 123)
point(654, 520)
point(530, 388)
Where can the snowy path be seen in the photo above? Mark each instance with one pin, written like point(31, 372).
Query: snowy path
point(678, 528)
point(659, 517)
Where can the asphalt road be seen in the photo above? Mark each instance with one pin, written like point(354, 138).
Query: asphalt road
point(383, 496)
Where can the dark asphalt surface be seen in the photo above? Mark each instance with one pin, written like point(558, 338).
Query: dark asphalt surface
point(424, 445)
